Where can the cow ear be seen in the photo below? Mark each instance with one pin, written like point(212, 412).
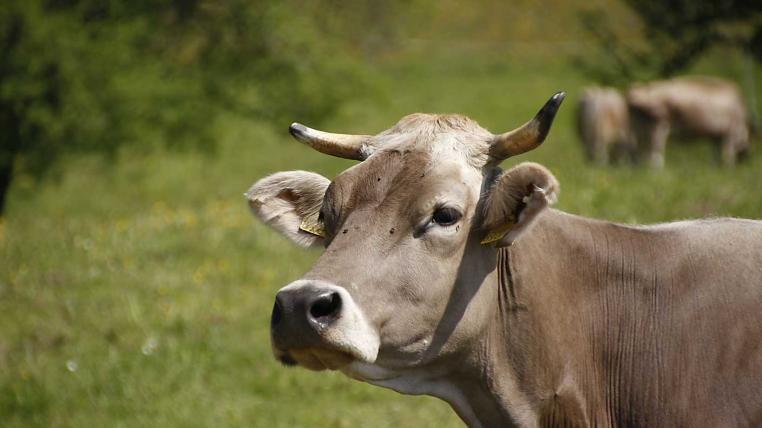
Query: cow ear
point(290, 202)
point(515, 200)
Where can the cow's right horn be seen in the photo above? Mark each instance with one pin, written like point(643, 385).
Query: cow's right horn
point(345, 146)
point(528, 136)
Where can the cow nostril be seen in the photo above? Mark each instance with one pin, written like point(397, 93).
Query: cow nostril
point(275, 317)
point(327, 305)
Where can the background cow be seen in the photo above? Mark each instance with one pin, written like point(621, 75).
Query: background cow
point(603, 125)
point(698, 106)
point(444, 275)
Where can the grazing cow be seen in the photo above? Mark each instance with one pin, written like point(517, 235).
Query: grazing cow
point(444, 275)
point(697, 106)
point(603, 125)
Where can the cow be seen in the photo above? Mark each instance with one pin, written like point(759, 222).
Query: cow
point(603, 125)
point(695, 106)
point(443, 274)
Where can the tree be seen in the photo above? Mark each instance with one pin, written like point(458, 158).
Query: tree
point(675, 33)
point(92, 75)
point(680, 30)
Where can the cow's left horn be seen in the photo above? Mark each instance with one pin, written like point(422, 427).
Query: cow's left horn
point(528, 136)
point(345, 146)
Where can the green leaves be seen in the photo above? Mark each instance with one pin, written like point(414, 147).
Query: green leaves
point(667, 37)
point(81, 75)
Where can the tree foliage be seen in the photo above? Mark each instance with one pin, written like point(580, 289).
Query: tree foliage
point(674, 34)
point(680, 30)
point(91, 75)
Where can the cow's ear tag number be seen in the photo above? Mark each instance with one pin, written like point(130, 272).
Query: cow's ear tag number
point(313, 226)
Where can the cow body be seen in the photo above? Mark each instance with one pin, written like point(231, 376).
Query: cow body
point(695, 106)
point(603, 125)
point(445, 275)
point(591, 323)
point(607, 325)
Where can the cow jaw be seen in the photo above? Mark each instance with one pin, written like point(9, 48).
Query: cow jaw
point(345, 337)
point(416, 381)
point(320, 359)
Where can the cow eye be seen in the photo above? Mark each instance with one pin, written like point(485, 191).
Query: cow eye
point(445, 216)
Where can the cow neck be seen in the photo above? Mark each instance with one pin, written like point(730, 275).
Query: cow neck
point(523, 368)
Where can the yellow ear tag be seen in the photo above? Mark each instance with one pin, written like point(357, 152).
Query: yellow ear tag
point(314, 227)
point(495, 235)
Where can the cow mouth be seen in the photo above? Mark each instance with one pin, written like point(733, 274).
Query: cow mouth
point(316, 359)
point(318, 326)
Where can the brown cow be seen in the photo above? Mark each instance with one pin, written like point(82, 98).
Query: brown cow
point(699, 106)
point(444, 275)
point(603, 125)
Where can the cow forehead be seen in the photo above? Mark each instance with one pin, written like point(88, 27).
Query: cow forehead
point(419, 155)
point(390, 177)
point(452, 136)
point(436, 123)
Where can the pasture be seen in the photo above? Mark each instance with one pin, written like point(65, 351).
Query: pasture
point(137, 291)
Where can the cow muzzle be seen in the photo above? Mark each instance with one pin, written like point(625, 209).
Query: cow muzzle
point(317, 325)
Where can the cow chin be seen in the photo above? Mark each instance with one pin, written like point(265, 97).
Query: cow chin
point(330, 354)
point(317, 358)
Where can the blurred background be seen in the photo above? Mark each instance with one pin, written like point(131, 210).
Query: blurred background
point(135, 287)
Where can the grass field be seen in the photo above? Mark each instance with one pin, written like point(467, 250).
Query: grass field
point(138, 292)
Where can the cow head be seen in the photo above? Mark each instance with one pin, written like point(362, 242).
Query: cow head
point(409, 234)
point(645, 101)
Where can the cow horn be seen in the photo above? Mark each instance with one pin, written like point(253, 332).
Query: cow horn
point(528, 136)
point(345, 146)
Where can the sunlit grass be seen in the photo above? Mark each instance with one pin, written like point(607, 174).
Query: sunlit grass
point(138, 293)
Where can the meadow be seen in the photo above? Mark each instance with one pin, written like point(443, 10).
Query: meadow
point(137, 291)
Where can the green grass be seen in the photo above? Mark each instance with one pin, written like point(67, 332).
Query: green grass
point(138, 293)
